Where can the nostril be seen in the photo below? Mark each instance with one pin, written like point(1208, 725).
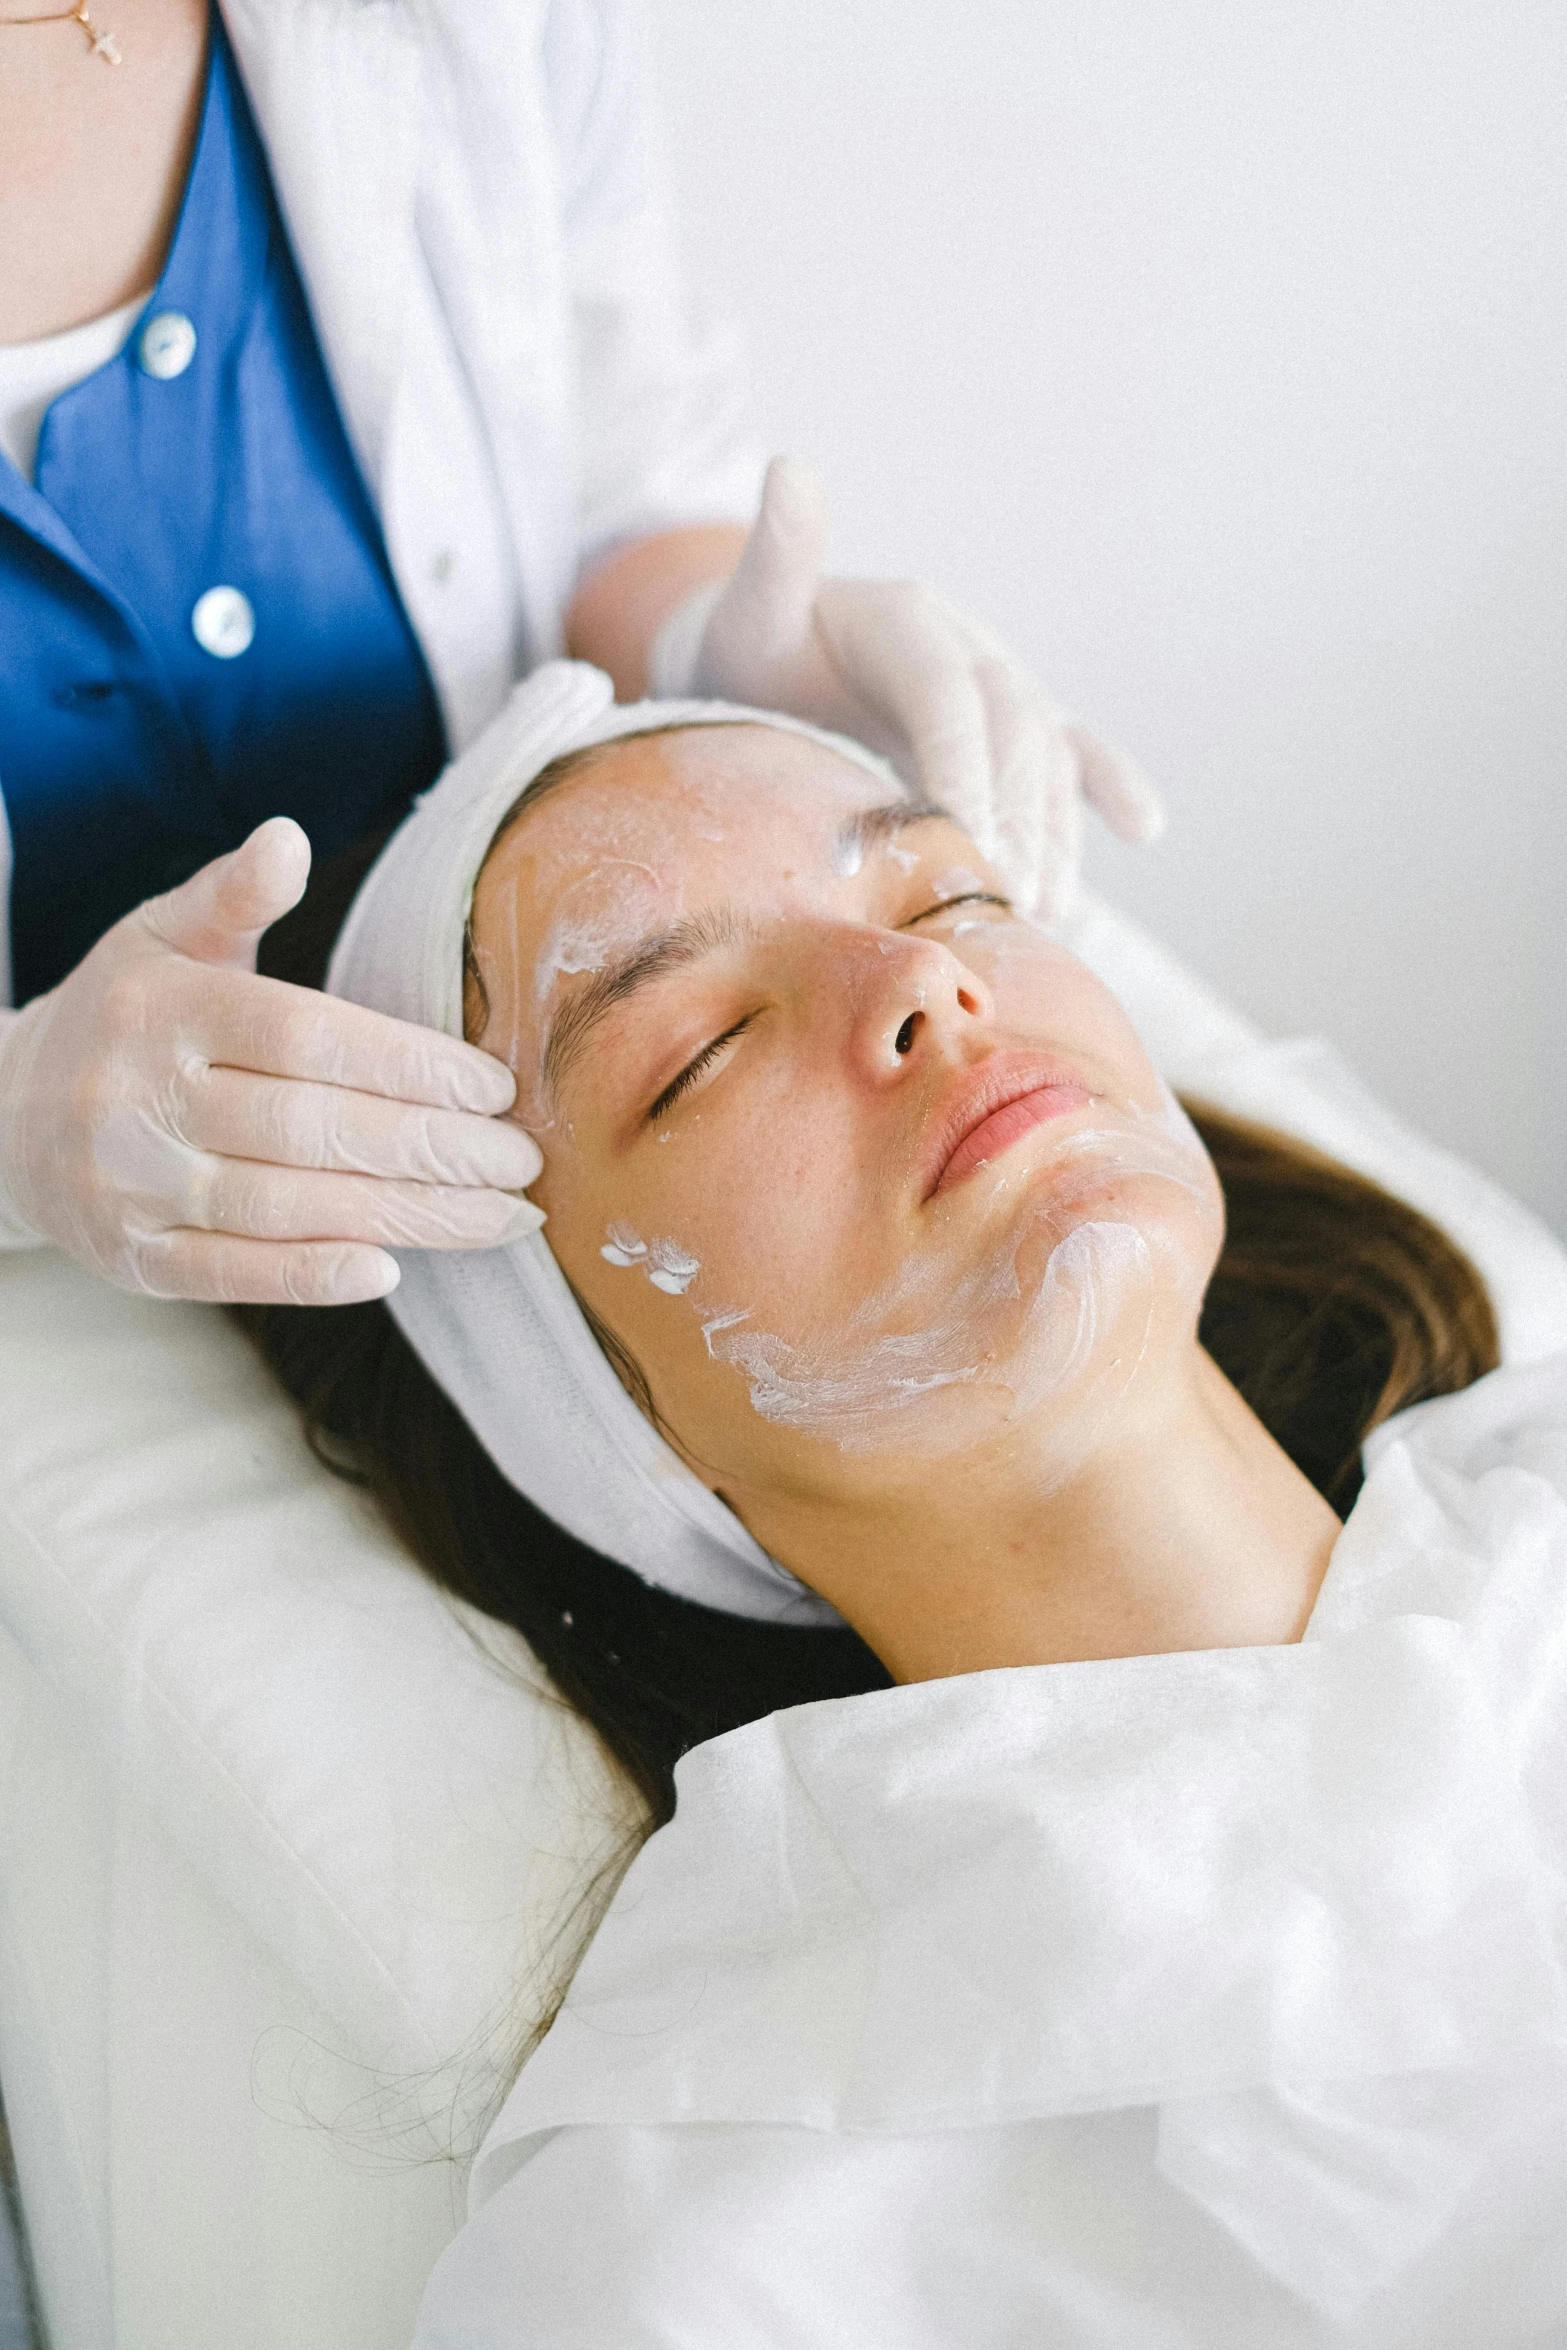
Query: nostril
point(904, 1040)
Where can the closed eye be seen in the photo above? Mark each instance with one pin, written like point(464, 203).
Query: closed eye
point(700, 1063)
point(695, 1069)
point(971, 897)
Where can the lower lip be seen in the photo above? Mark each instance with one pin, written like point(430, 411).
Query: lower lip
point(1008, 1125)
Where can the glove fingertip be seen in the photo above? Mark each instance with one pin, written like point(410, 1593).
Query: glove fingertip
point(1131, 807)
point(363, 1275)
point(526, 1219)
point(1050, 897)
point(793, 492)
point(1123, 795)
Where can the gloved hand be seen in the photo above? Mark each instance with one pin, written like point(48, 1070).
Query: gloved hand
point(189, 1129)
point(888, 662)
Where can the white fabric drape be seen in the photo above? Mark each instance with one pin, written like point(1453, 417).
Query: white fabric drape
point(1207, 1998)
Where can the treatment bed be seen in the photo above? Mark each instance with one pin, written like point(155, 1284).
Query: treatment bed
point(285, 1834)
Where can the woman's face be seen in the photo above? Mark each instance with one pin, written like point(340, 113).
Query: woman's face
point(856, 1163)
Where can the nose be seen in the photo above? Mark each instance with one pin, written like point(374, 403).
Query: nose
point(917, 999)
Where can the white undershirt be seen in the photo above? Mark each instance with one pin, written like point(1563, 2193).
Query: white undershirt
point(33, 375)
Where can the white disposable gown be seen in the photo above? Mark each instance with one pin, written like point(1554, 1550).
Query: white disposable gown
point(1207, 2000)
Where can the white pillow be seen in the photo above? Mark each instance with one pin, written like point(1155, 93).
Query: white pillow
point(365, 1769)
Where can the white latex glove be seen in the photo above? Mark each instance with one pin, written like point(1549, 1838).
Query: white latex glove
point(188, 1129)
point(889, 663)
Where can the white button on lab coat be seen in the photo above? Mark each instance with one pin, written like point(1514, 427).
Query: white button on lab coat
point(223, 623)
point(166, 346)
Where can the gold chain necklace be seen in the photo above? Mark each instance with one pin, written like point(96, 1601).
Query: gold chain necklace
point(102, 43)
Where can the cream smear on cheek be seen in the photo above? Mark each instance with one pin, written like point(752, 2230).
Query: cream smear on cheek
point(667, 1265)
point(1029, 1322)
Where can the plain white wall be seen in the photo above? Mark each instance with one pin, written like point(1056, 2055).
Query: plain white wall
point(1216, 352)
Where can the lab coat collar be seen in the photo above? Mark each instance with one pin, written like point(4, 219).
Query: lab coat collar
point(345, 179)
point(414, 163)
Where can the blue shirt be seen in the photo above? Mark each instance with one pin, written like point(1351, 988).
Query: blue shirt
point(136, 741)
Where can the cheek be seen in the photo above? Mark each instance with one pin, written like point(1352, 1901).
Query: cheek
point(753, 1205)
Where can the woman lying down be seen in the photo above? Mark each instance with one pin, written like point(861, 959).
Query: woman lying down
point(1099, 1896)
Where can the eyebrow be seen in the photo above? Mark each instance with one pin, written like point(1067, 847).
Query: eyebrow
point(618, 981)
point(867, 826)
point(689, 941)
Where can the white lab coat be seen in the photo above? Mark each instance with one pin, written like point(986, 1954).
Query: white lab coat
point(472, 195)
point(1211, 2000)
point(473, 203)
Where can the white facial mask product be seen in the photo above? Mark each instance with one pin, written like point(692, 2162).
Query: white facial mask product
point(674, 1268)
point(667, 1265)
point(500, 1330)
point(1021, 1327)
point(583, 938)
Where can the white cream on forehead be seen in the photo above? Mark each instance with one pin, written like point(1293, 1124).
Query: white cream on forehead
point(623, 895)
point(627, 891)
point(600, 903)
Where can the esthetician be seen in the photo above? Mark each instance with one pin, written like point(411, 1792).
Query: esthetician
point(344, 377)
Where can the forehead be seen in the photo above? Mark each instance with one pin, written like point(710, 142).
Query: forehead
point(678, 797)
point(649, 832)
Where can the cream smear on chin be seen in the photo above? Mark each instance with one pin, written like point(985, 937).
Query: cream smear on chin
point(1032, 1321)
point(872, 1393)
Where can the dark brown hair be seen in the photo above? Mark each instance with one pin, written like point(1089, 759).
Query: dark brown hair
point(1333, 1306)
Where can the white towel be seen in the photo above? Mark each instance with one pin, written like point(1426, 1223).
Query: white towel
point(499, 1328)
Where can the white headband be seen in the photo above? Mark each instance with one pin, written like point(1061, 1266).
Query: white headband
point(499, 1329)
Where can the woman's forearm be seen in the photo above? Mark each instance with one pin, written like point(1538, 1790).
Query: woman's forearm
point(625, 600)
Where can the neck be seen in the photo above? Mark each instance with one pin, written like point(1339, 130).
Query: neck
point(1184, 1526)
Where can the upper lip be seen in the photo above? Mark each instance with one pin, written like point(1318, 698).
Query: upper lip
point(975, 1094)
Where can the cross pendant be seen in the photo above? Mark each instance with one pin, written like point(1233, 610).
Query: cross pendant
point(104, 44)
